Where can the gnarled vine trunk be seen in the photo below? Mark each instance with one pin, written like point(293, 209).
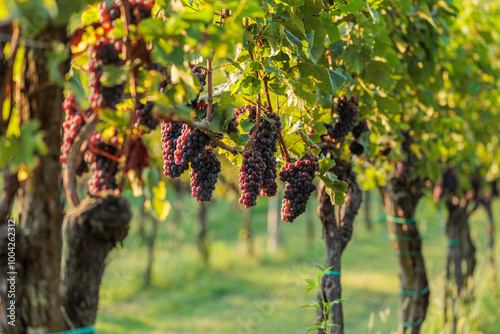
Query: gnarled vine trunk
point(39, 302)
point(91, 231)
point(400, 198)
point(337, 234)
point(461, 259)
point(491, 238)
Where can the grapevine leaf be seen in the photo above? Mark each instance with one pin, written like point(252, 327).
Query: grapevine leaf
point(352, 6)
point(329, 81)
point(57, 55)
point(312, 304)
point(113, 75)
point(331, 29)
point(325, 165)
point(220, 119)
point(90, 16)
point(296, 20)
point(235, 64)
point(295, 144)
point(335, 188)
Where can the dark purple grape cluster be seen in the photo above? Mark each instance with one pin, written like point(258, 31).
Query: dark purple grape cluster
point(104, 168)
point(265, 144)
point(104, 53)
point(250, 177)
point(139, 10)
point(183, 146)
point(348, 111)
point(72, 124)
point(205, 169)
point(170, 132)
point(232, 126)
point(354, 146)
point(298, 188)
point(189, 144)
point(200, 74)
point(360, 128)
point(144, 114)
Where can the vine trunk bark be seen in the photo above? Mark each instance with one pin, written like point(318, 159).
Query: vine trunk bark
point(400, 198)
point(91, 231)
point(461, 259)
point(38, 301)
point(337, 234)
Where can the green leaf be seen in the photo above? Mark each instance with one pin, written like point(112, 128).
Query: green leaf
point(90, 16)
point(329, 81)
point(335, 188)
point(57, 55)
point(325, 165)
point(331, 29)
point(352, 6)
point(113, 75)
point(235, 64)
point(312, 304)
point(296, 20)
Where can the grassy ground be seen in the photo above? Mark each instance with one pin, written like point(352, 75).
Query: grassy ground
point(262, 294)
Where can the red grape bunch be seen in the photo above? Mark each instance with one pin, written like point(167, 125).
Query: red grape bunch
point(348, 111)
point(144, 116)
point(298, 188)
point(250, 178)
point(104, 53)
point(72, 124)
point(138, 10)
point(205, 169)
point(265, 143)
point(103, 163)
point(170, 132)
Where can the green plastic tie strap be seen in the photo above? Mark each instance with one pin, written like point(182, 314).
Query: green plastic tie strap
point(398, 220)
point(380, 218)
point(411, 293)
point(413, 324)
point(269, 21)
point(245, 42)
point(403, 254)
point(334, 273)
point(394, 236)
point(83, 330)
point(453, 242)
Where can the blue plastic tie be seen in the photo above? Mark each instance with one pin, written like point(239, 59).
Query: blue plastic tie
point(334, 273)
point(398, 220)
point(413, 324)
point(411, 293)
point(82, 330)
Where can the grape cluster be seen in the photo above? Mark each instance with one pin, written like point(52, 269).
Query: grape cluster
point(104, 53)
point(355, 147)
point(144, 114)
point(139, 10)
point(232, 127)
point(204, 174)
point(183, 146)
point(189, 144)
point(104, 169)
point(265, 144)
point(360, 128)
point(202, 78)
point(200, 75)
point(298, 188)
point(250, 177)
point(170, 132)
point(72, 124)
point(348, 111)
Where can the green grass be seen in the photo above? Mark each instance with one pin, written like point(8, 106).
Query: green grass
point(262, 294)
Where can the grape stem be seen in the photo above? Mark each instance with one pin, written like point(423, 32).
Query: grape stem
point(105, 154)
point(75, 157)
point(205, 127)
